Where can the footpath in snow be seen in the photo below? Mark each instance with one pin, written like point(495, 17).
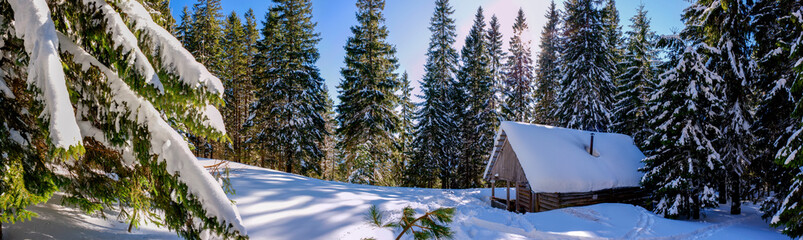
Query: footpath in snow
point(277, 205)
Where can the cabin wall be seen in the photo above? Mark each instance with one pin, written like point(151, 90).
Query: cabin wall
point(507, 166)
point(550, 201)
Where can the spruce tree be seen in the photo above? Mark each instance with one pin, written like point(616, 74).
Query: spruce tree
point(246, 152)
point(203, 38)
point(100, 89)
point(184, 29)
point(547, 72)
point(290, 91)
point(613, 35)
point(789, 59)
point(478, 116)
point(726, 27)
point(406, 128)
point(367, 117)
point(586, 96)
point(236, 60)
point(437, 135)
point(329, 169)
point(637, 81)
point(682, 159)
point(519, 72)
point(496, 56)
point(262, 62)
point(774, 77)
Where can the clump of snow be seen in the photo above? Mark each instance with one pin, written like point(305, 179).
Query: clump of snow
point(165, 141)
point(213, 118)
point(33, 25)
point(4, 88)
point(557, 160)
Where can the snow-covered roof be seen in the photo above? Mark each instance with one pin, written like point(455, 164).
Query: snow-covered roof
point(556, 159)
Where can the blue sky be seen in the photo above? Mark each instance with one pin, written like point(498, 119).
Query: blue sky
point(408, 22)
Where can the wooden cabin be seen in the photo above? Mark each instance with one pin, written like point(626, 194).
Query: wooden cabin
point(551, 167)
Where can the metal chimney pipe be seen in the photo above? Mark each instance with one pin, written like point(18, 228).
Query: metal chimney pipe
point(591, 149)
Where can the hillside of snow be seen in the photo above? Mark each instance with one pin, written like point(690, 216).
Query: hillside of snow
point(277, 205)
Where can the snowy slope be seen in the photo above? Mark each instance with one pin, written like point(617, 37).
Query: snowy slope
point(276, 205)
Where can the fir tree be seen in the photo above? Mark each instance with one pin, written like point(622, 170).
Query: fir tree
point(682, 158)
point(437, 136)
point(547, 73)
point(329, 169)
point(788, 214)
point(406, 128)
point(366, 115)
point(519, 72)
point(236, 60)
point(113, 105)
point(725, 27)
point(184, 29)
point(262, 62)
point(774, 77)
point(246, 152)
point(586, 95)
point(613, 36)
point(203, 41)
point(496, 55)
point(478, 116)
point(290, 93)
point(637, 81)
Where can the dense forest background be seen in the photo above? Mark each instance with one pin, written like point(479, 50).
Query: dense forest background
point(715, 106)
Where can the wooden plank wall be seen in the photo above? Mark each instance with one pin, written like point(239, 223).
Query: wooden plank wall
point(550, 201)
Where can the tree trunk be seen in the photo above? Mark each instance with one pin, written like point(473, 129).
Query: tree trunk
point(695, 207)
point(736, 203)
point(288, 163)
point(723, 192)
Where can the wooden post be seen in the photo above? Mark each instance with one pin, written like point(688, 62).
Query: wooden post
point(507, 203)
point(532, 201)
point(537, 203)
point(493, 190)
point(518, 194)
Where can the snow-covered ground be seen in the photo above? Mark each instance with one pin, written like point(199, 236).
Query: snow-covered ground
point(277, 205)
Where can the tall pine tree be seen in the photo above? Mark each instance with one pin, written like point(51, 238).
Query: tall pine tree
point(478, 116)
point(437, 136)
point(367, 118)
point(496, 56)
point(586, 96)
point(637, 81)
point(726, 27)
point(789, 215)
point(290, 91)
point(613, 35)
point(683, 160)
point(235, 59)
point(407, 111)
point(547, 72)
point(202, 38)
point(774, 78)
point(519, 76)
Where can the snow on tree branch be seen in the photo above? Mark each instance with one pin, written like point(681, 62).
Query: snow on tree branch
point(123, 37)
point(173, 54)
point(165, 142)
point(34, 25)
